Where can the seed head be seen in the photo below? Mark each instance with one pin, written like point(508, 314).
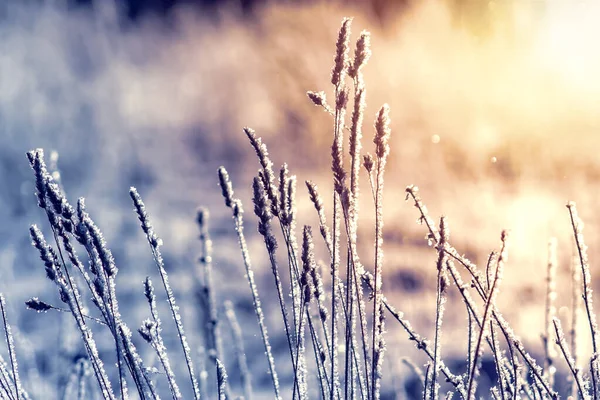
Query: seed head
point(362, 53)
point(342, 49)
point(382, 132)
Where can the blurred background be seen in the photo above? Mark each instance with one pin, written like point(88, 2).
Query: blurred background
point(494, 108)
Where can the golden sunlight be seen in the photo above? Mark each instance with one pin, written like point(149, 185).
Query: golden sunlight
point(568, 39)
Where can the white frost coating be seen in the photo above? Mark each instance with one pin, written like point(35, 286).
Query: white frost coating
point(562, 344)
point(152, 328)
point(577, 225)
point(221, 379)
point(73, 299)
point(11, 350)
point(155, 244)
point(239, 229)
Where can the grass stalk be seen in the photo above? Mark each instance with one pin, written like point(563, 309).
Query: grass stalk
point(549, 351)
point(486, 315)
point(151, 332)
point(242, 362)
point(561, 342)
point(236, 206)
point(382, 134)
point(442, 285)
point(155, 242)
point(11, 349)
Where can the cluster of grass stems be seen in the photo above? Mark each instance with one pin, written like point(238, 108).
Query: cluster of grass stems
point(334, 326)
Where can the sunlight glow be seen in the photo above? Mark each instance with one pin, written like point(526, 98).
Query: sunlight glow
point(568, 41)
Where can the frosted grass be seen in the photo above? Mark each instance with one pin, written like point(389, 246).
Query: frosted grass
point(321, 363)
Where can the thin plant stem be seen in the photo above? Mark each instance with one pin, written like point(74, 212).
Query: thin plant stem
point(575, 372)
point(236, 207)
point(155, 244)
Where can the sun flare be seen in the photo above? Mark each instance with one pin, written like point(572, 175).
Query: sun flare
point(567, 41)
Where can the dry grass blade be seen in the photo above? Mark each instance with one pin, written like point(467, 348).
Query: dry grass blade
point(486, 315)
point(575, 372)
point(155, 244)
